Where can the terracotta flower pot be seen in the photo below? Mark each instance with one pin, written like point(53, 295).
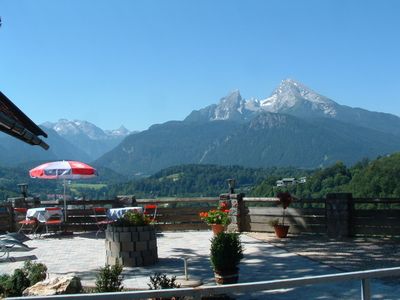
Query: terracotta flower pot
point(226, 276)
point(281, 231)
point(217, 228)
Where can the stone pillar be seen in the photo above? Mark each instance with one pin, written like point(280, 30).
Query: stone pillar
point(15, 218)
point(338, 208)
point(17, 202)
point(236, 208)
point(125, 201)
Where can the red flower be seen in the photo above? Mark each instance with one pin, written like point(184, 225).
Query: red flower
point(223, 205)
point(203, 214)
point(216, 216)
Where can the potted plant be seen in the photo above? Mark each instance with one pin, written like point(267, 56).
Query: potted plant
point(225, 254)
point(218, 218)
point(281, 230)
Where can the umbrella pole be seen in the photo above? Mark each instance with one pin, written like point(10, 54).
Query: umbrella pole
point(65, 203)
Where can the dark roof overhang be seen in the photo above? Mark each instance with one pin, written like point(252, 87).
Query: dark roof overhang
point(15, 123)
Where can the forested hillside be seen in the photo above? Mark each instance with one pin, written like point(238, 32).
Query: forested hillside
point(199, 180)
point(377, 178)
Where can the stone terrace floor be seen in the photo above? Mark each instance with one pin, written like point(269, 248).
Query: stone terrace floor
point(266, 258)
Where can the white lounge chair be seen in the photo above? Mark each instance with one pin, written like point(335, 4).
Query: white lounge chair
point(19, 236)
point(10, 243)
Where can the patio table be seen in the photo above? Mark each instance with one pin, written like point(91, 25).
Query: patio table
point(116, 213)
point(41, 214)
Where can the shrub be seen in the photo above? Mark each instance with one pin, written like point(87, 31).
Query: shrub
point(35, 272)
point(17, 283)
point(131, 218)
point(14, 285)
point(226, 251)
point(109, 279)
point(4, 281)
point(161, 281)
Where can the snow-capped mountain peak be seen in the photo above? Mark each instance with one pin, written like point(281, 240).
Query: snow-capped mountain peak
point(66, 127)
point(291, 93)
point(290, 97)
point(121, 131)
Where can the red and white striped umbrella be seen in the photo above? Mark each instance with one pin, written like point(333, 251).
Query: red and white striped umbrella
point(65, 169)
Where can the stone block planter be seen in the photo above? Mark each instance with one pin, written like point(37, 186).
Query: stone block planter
point(131, 246)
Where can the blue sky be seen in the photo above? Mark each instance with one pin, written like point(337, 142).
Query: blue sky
point(138, 63)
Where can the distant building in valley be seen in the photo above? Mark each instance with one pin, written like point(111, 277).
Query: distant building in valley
point(290, 181)
point(302, 180)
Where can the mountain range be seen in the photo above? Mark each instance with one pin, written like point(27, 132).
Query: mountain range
point(68, 140)
point(89, 138)
point(294, 126)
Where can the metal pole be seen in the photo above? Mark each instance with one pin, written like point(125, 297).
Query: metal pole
point(365, 289)
point(186, 268)
point(65, 203)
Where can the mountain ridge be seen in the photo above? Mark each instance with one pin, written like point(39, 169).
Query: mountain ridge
point(295, 126)
point(88, 137)
point(294, 98)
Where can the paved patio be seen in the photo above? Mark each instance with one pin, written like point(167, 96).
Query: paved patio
point(349, 254)
point(83, 254)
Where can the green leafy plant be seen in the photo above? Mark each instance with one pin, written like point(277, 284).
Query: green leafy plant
point(35, 271)
point(4, 281)
point(109, 279)
point(216, 216)
point(161, 281)
point(17, 283)
point(226, 251)
point(30, 274)
point(132, 218)
point(273, 222)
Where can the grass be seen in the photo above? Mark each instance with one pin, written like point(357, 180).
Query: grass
point(93, 186)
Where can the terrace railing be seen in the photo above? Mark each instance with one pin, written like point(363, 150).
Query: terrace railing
point(6, 219)
point(337, 215)
point(172, 213)
point(242, 288)
point(180, 213)
point(371, 216)
point(303, 215)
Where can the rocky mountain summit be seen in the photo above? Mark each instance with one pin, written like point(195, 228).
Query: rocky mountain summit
point(294, 98)
point(289, 97)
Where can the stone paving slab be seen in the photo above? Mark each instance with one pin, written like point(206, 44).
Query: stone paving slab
point(83, 255)
point(349, 254)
